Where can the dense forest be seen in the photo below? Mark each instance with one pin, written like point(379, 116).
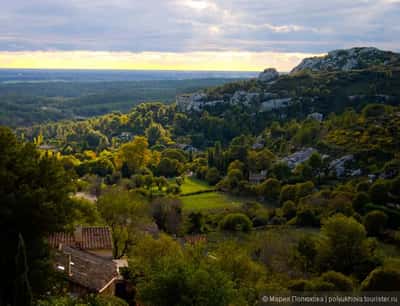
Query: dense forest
point(27, 103)
point(219, 205)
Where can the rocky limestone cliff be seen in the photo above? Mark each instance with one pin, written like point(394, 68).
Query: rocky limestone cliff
point(349, 59)
point(268, 75)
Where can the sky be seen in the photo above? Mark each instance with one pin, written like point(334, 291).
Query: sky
point(247, 35)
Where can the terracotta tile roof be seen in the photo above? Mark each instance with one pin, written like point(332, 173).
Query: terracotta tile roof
point(89, 238)
point(88, 270)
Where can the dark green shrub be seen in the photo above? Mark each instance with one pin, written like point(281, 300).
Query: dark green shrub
point(236, 222)
point(340, 281)
point(289, 209)
point(360, 200)
point(375, 222)
point(306, 217)
point(382, 279)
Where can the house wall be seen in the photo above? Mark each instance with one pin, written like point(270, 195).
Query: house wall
point(80, 291)
point(77, 290)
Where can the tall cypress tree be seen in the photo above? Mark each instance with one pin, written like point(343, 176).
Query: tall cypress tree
point(22, 288)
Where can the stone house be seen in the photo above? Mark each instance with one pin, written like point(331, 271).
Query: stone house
point(86, 258)
point(85, 272)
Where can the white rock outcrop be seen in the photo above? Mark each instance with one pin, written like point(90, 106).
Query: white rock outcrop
point(345, 60)
point(268, 75)
point(275, 104)
point(244, 97)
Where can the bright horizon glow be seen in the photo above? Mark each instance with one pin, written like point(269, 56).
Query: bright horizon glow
point(186, 61)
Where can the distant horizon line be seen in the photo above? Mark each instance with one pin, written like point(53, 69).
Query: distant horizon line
point(128, 69)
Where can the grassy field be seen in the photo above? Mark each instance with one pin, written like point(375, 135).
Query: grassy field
point(209, 200)
point(192, 185)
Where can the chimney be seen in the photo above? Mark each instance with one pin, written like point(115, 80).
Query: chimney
point(78, 236)
point(68, 267)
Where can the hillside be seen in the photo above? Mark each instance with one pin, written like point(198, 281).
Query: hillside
point(326, 84)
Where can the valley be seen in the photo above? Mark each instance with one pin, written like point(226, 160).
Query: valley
point(210, 192)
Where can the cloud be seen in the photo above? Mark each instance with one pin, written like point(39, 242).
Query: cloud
point(182, 26)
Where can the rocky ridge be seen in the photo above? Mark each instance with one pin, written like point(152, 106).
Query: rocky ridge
point(349, 59)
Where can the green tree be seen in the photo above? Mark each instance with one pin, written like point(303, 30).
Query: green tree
point(360, 200)
point(315, 162)
point(155, 133)
point(270, 189)
point(382, 279)
point(167, 213)
point(35, 202)
point(124, 212)
point(174, 281)
point(375, 222)
point(281, 171)
point(169, 167)
point(343, 244)
point(374, 110)
point(378, 192)
point(339, 280)
point(288, 193)
point(289, 209)
point(135, 154)
point(213, 176)
point(196, 223)
point(307, 249)
point(236, 222)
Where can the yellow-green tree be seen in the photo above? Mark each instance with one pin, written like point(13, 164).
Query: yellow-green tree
point(136, 154)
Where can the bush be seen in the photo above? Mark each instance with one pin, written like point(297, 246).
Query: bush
point(304, 189)
point(236, 222)
point(270, 189)
point(299, 285)
point(261, 219)
point(277, 220)
point(289, 209)
point(320, 285)
point(311, 285)
point(382, 279)
point(343, 244)
point(306, 217)
point(378, 192)
point(213, 176)
point(340, 281)
point(375, 222)
point(395, 186)
point(360, 200)
point(392, 213)
point(362, 187)
point(374, 110)
point(306, 247)
point(288, 193)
